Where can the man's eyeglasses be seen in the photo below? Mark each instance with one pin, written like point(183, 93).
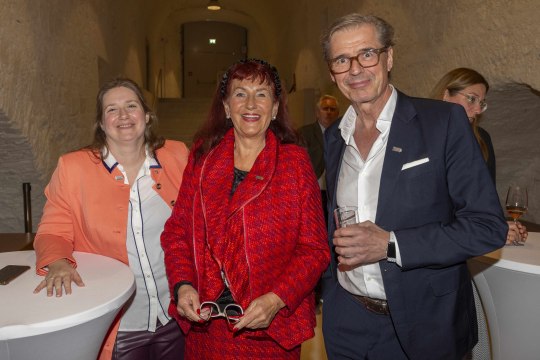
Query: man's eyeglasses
point(473, 100)
point(366, 58)
point(232, 312)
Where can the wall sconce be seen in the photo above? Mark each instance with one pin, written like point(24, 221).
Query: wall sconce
point(213, 5)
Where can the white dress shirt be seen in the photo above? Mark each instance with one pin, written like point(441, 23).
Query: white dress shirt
point(358, 185)
point(146, 218)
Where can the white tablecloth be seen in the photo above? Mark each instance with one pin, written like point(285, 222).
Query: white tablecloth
point(34, 326)
point(508, 282)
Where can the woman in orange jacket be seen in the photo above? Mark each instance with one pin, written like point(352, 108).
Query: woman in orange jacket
point(112, 198)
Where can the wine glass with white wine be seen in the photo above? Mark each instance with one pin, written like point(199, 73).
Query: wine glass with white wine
point(516, 205)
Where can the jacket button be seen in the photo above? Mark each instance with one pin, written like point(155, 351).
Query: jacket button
point(158, 186)
point(172, 203)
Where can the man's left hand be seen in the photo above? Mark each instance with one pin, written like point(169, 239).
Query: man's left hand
point(361, 244)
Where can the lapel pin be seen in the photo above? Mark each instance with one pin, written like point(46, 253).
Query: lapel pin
point(396, 149)
point(258, 177)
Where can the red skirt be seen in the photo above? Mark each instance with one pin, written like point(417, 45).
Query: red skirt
point(216, 341)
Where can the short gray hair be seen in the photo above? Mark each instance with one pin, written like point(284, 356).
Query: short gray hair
point(385, 31)
point(327, 97)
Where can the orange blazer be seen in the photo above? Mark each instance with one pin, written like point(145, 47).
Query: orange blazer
point(87, 209)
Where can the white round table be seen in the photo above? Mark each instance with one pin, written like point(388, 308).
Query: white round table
point(34, 326)
point(508, 282)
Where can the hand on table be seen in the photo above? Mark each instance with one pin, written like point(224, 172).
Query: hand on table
point(61, 273)
point(517, 233)
point(360, 244)
point(260, 312)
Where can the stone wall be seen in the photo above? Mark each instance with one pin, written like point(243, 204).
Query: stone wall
point(501, 40)
point(53, 55)
point(164, 34)
point(498, 38)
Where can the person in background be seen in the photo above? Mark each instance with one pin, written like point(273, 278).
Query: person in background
point(399, 286)
point(246, 233)
point(327, 112)
point(469, 88)
point(112, 198)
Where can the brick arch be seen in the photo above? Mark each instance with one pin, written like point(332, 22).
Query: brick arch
point(165, 45)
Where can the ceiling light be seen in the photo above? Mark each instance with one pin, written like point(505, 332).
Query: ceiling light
point(213, 5)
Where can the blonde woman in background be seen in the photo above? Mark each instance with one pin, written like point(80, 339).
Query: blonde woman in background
point(468, 88)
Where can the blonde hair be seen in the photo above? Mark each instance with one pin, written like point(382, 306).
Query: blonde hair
point(455, 81)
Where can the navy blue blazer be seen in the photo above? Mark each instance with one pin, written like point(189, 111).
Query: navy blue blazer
point(443, 212)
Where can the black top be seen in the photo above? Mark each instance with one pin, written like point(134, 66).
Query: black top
point(239, 176)
point(226, 297)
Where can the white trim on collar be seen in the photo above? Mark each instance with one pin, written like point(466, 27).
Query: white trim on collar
point(111, 162)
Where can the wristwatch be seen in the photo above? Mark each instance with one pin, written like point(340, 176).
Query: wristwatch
point(391, 252)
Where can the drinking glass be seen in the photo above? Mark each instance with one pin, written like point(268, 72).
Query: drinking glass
point(516, 205)
point(345, 216)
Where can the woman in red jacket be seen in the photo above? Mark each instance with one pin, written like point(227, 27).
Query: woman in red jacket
point(247, 233)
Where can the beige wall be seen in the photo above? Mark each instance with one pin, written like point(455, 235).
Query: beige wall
point(52, 57)
point(54, 54)
point(498, 38)
point(165, 22)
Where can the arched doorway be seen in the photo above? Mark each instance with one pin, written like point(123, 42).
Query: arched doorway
point(208, 48)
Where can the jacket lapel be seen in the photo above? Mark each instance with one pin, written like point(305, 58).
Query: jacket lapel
point(258, 177)
point(156, 171)
point(218, 173)
point(403, 146)
point(215, 185)
point(223, 213)
point(335, 147)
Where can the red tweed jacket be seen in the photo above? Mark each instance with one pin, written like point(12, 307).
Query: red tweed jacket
point(269, 236)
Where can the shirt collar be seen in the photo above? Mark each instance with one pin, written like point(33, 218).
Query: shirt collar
point(110, 162)
point(384, 120)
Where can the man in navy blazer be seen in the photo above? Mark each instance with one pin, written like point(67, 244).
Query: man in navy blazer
point(398, 286)
point(326, 112)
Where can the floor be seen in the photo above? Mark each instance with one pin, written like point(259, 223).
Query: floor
point(313, 349)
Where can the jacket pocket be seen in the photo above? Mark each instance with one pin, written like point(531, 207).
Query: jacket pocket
point(421, 169)
point(446, 281)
